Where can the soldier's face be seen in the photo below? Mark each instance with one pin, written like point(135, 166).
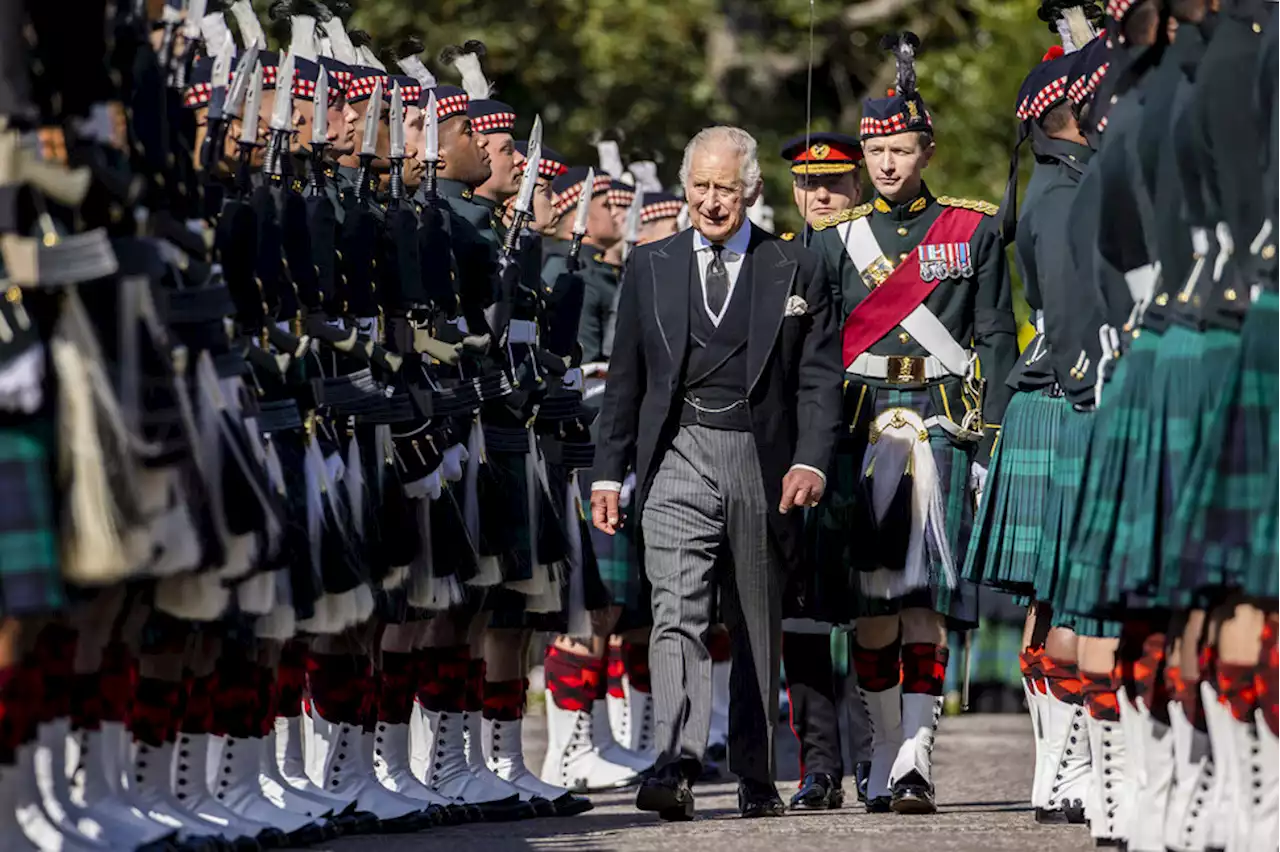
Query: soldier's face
point(602, 226)
point(821, 195)
point(659, 229)
point(414, 165)
point(340, 129)
point(505, 164)
point(464, 153)
point(717, 198)
point(896, 164)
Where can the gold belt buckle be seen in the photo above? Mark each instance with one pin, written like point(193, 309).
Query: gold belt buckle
point(905, 370)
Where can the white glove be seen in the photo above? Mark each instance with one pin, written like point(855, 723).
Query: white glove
point(628, 488)
point(977, 481)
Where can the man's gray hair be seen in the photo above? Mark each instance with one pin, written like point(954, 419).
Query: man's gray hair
point(740, 141)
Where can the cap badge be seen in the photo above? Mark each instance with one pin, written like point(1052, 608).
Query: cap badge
point(820, 152)
point(912, 109)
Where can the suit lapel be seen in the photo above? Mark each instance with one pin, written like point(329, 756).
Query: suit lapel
point(772, 274)
point(671, 269)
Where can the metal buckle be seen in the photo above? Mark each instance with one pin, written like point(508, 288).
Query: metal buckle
point(905, 370)
point(877, 272)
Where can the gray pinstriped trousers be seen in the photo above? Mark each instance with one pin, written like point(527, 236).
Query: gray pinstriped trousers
point(707, 502)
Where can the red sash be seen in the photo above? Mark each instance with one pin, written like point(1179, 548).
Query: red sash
point(885, 307)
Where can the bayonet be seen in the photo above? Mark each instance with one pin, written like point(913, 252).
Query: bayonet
point(249, 124)
point(431, 150)
point(580, 217)
point(217, 117)
point(319, 131)
point(239, 86)
point(631, 228)
point(369, 143)
point(522, 210)
point(281, 121)
point(396, 155)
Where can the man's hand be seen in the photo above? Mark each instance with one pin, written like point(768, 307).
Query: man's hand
point(800, 489)
point(604, 511)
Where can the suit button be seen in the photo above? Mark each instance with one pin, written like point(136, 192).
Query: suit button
point(904, 337)
point(902, 232)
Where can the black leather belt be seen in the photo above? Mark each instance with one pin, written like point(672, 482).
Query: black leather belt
point(396, 409)
point(353, 394)
point(278, 415)
point(506, 439)
point(196, 304)
point(577, 455)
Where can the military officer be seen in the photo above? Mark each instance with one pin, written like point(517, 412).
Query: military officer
point(920, 426)
point(824, 168)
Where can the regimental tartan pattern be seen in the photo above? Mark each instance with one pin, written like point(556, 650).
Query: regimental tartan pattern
point(1228, 507)
point(1062, 502)
point(1005, 548)
point(30, 568)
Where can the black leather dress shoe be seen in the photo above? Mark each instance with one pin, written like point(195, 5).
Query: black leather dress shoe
point(862, 778)
point(542, 807)
point(880, 805)
point(912, 795)
point(819, 792)
point(756, 800)
point(669, 795)
point(569, 804)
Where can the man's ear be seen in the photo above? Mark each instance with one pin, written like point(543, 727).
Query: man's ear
point(928, 153)
point(751, 196)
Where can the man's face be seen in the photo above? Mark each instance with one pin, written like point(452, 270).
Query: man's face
point(505, 165)
point(603, 227)
point(341, 130)
point(895, 164)
point(659, 229)
point(717, 199)
point(544, 215)
point(464, 154)
point(414, 143)
point(821, 195)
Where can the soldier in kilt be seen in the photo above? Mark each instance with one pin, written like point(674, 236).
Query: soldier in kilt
point(920, 425)
point(1030, 492)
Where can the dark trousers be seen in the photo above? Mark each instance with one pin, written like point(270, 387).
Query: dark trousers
point(815, 707)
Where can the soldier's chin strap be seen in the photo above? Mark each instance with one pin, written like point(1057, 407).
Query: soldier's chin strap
point(1009, 203)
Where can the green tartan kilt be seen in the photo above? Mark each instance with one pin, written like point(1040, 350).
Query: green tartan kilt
point(1227, 513)
point(618, 561)
point(1133, 572)
point(1062, 505)
point(1005, 546)
point(845, 515)
point(1110, 462)
point(30, 565)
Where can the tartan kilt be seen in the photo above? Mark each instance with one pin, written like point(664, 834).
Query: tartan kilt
point(617, 560)
point(1062, 505)
point(30, 565)
point(1004, 550)
point(864, 400)
point(1120, 425)
point(994, 651)
point(1228, 510)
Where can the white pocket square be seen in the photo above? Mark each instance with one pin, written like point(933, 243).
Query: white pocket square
point(796, 307)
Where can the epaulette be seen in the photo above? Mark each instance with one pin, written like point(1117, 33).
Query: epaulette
point(969, 204)
point(843, 216)
point(788, 236)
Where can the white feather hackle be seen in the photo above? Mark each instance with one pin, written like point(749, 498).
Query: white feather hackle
point(473, 79)
point(302, 37)
point(250, 27)
point(339, 41)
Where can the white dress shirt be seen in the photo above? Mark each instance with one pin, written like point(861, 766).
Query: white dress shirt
point(733, 254)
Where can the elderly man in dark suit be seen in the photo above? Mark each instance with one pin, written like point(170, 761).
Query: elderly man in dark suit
point(724, 393)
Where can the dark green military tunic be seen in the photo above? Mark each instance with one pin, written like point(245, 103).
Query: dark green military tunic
point(977, 311)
